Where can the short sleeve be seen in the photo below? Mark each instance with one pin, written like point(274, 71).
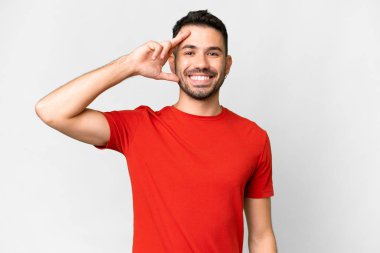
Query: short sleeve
point(123, 125)
point(260, 185)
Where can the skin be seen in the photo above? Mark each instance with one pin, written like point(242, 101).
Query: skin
point(192, 52)
point(196, 49)
point(261, 237)
point(202, 53)
point(200, 50)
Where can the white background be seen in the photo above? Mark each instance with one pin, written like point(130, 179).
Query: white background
point(306, 71)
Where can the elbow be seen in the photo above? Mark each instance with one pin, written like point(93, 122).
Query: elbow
point(40, 110)
point(265, 242)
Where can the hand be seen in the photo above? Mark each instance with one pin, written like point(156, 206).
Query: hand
point(149, 58)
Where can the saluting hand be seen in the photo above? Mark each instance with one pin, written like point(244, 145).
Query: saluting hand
point(149, 58)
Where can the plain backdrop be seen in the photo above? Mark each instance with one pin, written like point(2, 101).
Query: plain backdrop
point(306, 71)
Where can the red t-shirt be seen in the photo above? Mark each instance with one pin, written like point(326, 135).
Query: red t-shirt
point(189, 176)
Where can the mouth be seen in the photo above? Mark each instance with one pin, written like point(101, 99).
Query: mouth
point(201, 79)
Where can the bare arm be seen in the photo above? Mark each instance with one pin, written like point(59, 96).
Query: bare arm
point(261, 238)
point(65, 108)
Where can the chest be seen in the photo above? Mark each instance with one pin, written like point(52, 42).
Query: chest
point(217, 160)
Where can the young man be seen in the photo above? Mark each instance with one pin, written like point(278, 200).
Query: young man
point(195, 165)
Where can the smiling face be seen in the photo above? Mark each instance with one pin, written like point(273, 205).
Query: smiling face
point(200, 62)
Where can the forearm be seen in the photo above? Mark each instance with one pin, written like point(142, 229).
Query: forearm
point(263, 244)
point(73, 97)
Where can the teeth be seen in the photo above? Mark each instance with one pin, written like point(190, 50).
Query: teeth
point(199, 77)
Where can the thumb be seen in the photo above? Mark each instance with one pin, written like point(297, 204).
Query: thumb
point(168, 77)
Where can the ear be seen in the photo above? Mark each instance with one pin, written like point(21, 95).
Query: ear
point(171, 63)
point(228, 64)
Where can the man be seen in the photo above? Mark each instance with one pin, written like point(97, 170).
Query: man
point(195, 165)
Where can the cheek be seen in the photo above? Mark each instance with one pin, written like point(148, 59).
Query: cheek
point(181, 66)
point(218, 64)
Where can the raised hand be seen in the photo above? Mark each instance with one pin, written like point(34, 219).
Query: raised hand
point(149, 58)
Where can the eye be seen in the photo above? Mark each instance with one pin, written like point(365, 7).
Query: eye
point(213, 53)
point(188, 53)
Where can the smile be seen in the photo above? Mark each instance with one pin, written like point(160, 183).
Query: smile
point(199, 78)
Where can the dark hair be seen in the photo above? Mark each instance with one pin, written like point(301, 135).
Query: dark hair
point(203, 18)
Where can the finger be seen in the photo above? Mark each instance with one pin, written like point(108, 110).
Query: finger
point(166, 48)
point(180, 37)
point(171, 51)
point(168, 77)
point(156, 47)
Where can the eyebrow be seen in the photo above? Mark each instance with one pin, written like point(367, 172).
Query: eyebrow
point(209, 48)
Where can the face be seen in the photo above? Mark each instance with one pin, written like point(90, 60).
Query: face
point(200, 62)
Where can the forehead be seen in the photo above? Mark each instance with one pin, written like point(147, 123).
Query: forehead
point(203, 37)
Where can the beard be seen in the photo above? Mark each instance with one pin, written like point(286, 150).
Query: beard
point(200, 93)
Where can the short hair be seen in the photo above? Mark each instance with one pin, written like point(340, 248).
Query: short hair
point(202, 18)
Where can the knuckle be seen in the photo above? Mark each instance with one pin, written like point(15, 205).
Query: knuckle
point(158, 46)
point(153, 43)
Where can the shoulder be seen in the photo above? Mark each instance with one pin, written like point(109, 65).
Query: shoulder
point(141, 109)
point(249, 124)
point(142, 112)
point(126, 115)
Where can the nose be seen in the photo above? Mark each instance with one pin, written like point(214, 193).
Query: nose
point(201, 61)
